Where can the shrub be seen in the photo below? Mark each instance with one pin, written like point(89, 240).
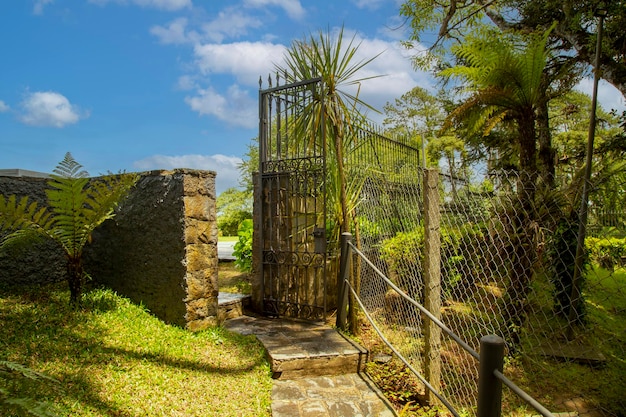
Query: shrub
point(606, 252)
point(228, 224)
point(243, 247)
point(461, 259)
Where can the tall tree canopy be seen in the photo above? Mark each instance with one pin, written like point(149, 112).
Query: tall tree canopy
point(574, 34)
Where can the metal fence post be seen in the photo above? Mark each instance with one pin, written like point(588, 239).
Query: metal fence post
point(432, 280)
point(344, 273)
point(489, 386)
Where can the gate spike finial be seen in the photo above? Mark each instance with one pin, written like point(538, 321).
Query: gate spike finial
point(277, 79)
point(269, 80)
point(260, 82)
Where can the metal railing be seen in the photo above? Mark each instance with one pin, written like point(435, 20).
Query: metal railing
point(490, 358)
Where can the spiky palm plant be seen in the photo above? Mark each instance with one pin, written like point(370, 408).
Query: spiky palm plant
point(76, 206)
point(337, 111)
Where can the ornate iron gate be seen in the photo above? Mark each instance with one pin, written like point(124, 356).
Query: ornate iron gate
point(292, 204)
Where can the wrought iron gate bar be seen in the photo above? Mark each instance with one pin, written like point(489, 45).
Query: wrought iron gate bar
point(293, 206)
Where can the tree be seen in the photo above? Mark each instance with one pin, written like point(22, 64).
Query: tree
point(337, 112)
point(573, 38)
point(505, 82)
point(76, 206)
point(233, 207)
point(416, 114)
point(326, 56)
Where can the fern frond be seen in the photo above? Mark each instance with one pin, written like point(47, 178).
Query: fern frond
point(69, 168)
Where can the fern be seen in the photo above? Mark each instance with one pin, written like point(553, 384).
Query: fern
point(13, 372)
point(76, 206)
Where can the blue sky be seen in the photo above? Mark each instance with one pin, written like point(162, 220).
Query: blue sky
point(158, 84)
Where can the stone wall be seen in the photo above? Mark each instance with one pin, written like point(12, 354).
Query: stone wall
point(159, 250)
point(41, 263)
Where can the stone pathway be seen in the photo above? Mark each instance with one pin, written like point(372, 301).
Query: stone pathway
point(350, 395)
point(316, 370)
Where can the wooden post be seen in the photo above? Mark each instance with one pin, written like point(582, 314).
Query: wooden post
point(432, 280)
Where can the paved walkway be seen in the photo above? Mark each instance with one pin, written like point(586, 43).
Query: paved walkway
point(296, 349)
point(350, 395)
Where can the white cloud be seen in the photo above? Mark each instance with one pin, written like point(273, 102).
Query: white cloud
point(244, 60)
point(47, 108)
point(368, 4)
point(608, 96)
point(39, 5)
point(173, 33)
point(4, 107)
point(230, 23)
point(236, 107)
point(186, 82)
point(226, 167)
point(170, 5)
point(293, 8)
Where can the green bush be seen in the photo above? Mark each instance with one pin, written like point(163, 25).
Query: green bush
point(243, 247)
point(606, 252)
point(228, 224)
point(461, 259)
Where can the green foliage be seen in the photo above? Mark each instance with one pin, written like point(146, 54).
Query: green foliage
point(461, 259)
point(561, 254)
point(233, 207)
point(18, 390)
point(573, 41)
point(76, 206)
point(243, 247)
point(342, 113)
point(606, 252)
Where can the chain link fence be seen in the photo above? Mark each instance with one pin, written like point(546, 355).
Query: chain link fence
point(506, 256)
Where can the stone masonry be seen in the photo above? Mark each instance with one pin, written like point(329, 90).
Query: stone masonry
point(159, 250)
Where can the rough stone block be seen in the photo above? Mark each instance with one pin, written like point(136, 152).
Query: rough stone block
point(200, 257)
point(198, 207)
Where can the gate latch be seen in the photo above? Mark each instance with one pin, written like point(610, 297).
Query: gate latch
point(319, 233)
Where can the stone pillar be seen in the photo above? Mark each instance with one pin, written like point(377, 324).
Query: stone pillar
point(200, 234)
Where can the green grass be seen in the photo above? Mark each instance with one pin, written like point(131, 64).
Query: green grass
point(228, 238)
point(114, 359)
point(232, 279)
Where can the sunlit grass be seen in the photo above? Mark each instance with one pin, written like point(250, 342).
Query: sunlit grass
point(114, 359)
point(232, 279)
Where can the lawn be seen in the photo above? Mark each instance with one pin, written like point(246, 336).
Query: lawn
point(232, 279)
point(112, 358)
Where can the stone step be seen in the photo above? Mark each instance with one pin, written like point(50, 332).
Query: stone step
point(231, 305)
point(302, 349)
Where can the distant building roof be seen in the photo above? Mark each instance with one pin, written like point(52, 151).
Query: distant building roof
point(16, 172)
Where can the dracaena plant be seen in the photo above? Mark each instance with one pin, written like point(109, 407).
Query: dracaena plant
point(76, 205)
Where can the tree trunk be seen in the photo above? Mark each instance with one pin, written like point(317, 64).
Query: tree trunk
point(546, 152)
point(75, 279)
point(521, 222)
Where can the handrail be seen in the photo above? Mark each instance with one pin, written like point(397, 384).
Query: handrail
point(512, 386)
point(435, 320)
point(522, 394)
point(402, 358)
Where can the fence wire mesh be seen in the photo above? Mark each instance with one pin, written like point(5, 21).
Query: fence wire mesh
point(507, 261)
